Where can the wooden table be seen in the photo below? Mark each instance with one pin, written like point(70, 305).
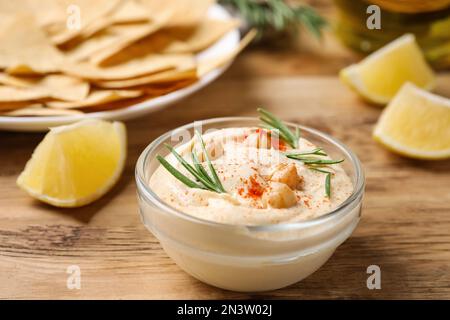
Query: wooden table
point(405, 227)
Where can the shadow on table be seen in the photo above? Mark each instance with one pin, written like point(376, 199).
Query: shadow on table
point(345, 275)
point(86, 213)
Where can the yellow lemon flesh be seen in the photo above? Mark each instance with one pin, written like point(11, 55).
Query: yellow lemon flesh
point(416, 124)
point(76, 164)
point(379, 76)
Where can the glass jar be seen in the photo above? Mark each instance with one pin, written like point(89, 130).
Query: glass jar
point(429, 21)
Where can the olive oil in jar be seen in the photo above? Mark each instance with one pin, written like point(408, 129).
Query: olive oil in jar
point(428, 20)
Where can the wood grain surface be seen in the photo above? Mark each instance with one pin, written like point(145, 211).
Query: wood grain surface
point(405, 228)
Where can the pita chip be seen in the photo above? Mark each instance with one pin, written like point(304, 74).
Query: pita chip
point(199, 37)
point(96, 98)
point(147, 93)
point(8, 106)
point(53, 15)
point(38, 110)
point(127, 12)
point(169, 76)
point(176, 40)
point(160, 90)
point(25, 49)
point(108, 41)
point(64, 87)
point(9, 80)
point(129, 34)
point(50, 11)
point(59, 87)
point(131, 68)
point(182, 12)
point(82, 50)
point(90, 11)
point(130, 11)
point(12, 94)
point(208, 64)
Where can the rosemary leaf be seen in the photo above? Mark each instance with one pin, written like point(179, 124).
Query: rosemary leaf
point(207, 181)
point(199, 167)
point(285, 133)
point(297, 133)
point(209, 185)
point(321, 161)
point(274, 131)
point(273, 121)
point(311, 20)
point(320, 170)
point(214, 175)
point(177, 174)
point(313, 161)
point(328, 185)
point(317, 151)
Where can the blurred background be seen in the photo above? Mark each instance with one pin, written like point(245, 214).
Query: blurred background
point(346, 20)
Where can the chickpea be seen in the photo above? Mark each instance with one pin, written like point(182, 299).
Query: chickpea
point(287, 174)
point(279, 195)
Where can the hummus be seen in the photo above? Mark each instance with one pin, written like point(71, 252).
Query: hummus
point(262, 185)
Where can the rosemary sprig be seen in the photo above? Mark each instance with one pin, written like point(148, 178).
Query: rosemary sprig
point(317, 151)
point(199, 166)
point(215, 178)
point(316, 164)
point(271, 122)
point(313, 160)
point(177, 174)
point(327, 179)
point(203, 179)
point(278, 15)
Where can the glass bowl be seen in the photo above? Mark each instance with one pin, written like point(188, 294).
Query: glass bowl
point(247, 258)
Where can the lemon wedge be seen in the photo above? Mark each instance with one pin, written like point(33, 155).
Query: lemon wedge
point(416, 124)
point(76, 164)
point(379, 76)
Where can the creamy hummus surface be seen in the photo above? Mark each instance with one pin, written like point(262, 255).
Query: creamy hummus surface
point(262, 185)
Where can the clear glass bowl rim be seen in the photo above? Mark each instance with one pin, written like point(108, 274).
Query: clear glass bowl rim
point(144, 189)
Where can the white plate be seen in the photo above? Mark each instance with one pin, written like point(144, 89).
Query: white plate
point(226, 44)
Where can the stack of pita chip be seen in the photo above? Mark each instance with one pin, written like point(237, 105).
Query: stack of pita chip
point(63, 57)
